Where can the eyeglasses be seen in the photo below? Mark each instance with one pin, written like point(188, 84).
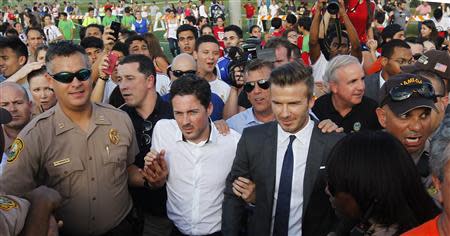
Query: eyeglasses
point(249, 86)
point(404, 92)
point(146, 139)
point(179, 73)
point(67, 77)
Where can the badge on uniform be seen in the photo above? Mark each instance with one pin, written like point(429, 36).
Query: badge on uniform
point(14, 150)
point(7, 203)
point(114, 136)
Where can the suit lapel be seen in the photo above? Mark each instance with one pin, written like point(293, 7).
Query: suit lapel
point(270, 156)
point(313, 162)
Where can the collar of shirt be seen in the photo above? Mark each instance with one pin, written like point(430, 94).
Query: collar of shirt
point(156, 110)
point(382, 80)
point(302, 135)
point(250, 117)
point(213, 133)
point(64, 123)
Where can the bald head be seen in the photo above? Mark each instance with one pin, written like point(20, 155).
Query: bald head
point(184, 62)
point(14, 98)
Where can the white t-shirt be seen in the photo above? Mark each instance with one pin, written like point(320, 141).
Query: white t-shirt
point(51, 32)
point(442, 25)
point(162, 84)
point(220, 88)
point(319, 68)
point(202, 11)
point(273, 9)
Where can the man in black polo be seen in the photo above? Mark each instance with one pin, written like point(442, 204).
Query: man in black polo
point(136, 79)
point(345, 104)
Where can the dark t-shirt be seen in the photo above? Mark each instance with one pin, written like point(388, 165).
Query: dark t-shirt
point(151, 201)
point(361, 117)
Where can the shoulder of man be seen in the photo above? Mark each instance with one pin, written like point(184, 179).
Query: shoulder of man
point(258, 130)
point(329, 139)
point(38, 120)
point(109, 108)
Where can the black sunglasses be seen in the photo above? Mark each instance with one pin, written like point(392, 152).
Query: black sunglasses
point(404, 92)
point(67, 77)
point(417, 56)
point(179, 73)
point(146, 139)
point(249, 86)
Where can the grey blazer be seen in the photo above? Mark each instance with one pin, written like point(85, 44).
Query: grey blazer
point(256, 159)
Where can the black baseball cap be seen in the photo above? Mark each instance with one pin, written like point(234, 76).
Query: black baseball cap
point(420, 90)
point(433, 61)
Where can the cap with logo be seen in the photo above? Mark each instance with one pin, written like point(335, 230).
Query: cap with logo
point(406, 92)
point(434, 61)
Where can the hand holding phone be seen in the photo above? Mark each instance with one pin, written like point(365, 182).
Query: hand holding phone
point(112, 61)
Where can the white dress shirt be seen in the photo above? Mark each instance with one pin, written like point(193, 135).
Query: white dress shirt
point(300, 148)
point(197, 174)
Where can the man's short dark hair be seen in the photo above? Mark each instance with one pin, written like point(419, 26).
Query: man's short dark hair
point(293, 73)
point(63, 14)
point(64, 49)
point(280, 42)
point(291, 19)
point(190, 84)
point(132, 38)
point(90, 9)
point(333, 34)
point(11, 32)
point(305, 22)
point(187, 27)
point(35, 29)
point(252, 27)
point(19, 48)
point(387, 50)
point(121, 47)
point(235, 29)
point(146, 66)
point(92, 42)
point(276, 22)
point(191, 19)
point(100, 27)
point(258, 64)
point(205, 39)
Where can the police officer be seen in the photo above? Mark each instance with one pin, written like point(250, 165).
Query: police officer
point(84, 150)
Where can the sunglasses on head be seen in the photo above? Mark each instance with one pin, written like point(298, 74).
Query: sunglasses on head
point(404, 92)
point(249, 86)
point(67, 77)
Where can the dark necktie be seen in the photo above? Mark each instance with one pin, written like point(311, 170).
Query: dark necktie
point(423, 165)
point(281, 224)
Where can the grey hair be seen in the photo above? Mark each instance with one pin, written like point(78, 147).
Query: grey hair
point(440, 149)
point(336, 63)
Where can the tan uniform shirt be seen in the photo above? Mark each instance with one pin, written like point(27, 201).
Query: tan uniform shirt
point(88, 169)
point(13, 212)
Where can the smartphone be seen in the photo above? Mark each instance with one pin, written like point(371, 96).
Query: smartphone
point(112, 60)
point(116, 26)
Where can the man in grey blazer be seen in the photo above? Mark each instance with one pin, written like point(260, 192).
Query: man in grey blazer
point(395, 53)
point(285, 159)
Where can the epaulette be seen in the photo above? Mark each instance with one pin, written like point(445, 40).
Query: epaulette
point(33, 123)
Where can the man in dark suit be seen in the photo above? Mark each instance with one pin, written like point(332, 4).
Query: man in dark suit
point(395, 53)
point(285, 160)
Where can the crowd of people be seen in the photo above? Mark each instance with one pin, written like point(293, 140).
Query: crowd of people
point(322, 119)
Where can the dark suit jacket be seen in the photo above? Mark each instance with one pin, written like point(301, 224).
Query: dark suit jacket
point(256, 159)
point(372, 86)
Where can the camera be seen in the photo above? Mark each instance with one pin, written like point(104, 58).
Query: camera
point(250, 47)
point(333, 7)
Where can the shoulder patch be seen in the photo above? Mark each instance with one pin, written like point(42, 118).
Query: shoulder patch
point(7, 203)
point(14, 150)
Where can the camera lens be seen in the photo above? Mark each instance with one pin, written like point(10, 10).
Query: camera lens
point(333, 7)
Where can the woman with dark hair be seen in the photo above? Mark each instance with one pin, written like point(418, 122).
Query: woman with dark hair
point(159, 58)
point(428, 32)
point(374, 185)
